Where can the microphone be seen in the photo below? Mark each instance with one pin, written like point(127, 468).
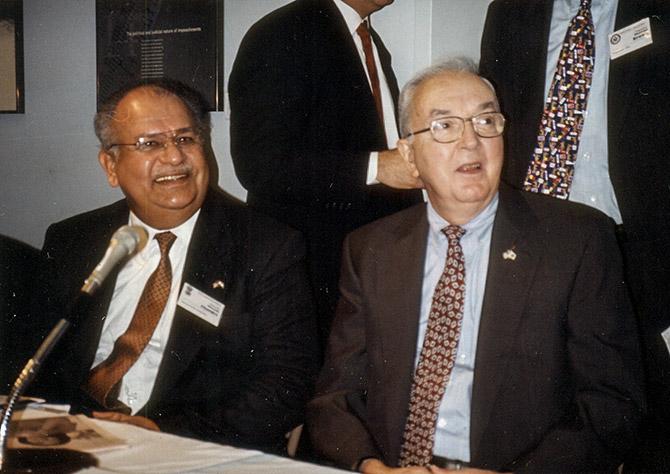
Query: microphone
point(125, 241)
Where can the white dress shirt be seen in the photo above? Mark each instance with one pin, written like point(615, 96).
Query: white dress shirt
point(137, 384)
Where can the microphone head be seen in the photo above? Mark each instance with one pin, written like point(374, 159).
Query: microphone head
point(131, 238)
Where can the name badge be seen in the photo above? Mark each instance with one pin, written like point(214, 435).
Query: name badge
point(630, 38)
point(201, 304)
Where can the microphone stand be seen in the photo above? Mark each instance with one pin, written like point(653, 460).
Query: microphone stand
point(125, 241)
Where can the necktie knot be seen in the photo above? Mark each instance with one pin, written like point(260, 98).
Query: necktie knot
point(165, 241)
point(454, 232)
point(363, 30)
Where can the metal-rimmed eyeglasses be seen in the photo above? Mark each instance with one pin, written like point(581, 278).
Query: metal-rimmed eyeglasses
point(450, 129)
point(183, 139)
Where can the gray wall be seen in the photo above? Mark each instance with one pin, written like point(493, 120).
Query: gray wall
point(48, 155)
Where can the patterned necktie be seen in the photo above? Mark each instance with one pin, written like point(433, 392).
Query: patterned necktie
point(553, 163)
point(104, 380)
point(364, 33)
point(438, 355)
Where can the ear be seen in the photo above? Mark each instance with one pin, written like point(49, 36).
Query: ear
point(108, 163)
point(407, 153)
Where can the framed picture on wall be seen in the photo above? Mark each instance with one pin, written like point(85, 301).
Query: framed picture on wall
point(11, 57)
point(146, 39)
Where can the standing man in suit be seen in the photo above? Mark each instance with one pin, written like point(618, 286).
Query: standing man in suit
point(218, 297)
point(477, 330)
point(313, 128)
point(621, 160)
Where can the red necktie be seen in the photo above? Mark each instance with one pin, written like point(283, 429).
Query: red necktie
point(364, 34)
point(104, 380)
point(553, 163)
point(438, 355)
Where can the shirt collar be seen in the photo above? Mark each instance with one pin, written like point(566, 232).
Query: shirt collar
point(183, 231)
point(595, 4)
point(351, 16)
point(476, 227)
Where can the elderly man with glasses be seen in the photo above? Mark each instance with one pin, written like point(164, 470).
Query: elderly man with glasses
point(478, 330)
point(208, 331)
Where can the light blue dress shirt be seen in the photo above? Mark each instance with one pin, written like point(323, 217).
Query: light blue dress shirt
point(452, 439)
point(591, 182)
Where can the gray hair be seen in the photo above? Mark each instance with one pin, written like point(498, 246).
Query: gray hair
point(195, 105)
point(453, 65)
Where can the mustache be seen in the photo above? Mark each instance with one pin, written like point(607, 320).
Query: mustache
point(182, 169)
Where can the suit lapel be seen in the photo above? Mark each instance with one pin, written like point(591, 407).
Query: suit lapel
point(341, 50)
point(90, 314)
point(340, 44)
point(507, 284)
point(385, 61)
point(535, 40)
point(400, 280)
point(532, 23)
point(207, 259)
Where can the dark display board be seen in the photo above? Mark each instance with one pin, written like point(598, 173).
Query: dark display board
point(11, 56)
point(144, 39)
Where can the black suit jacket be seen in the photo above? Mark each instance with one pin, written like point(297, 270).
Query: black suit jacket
point(557, 375)
point(244, 382)
point(513, 56)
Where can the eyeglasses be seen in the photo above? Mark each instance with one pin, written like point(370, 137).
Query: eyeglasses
point(450, 129)
point(184, 139)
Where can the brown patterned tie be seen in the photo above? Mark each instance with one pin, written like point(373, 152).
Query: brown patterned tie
point(553, 162)
point(438, 355)
point(364, 33)
point(104, 380)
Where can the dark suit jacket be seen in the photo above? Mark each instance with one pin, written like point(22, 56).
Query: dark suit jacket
point(19, 328)
point(513, 56)
point(557, 375)
point(243, 382)
point(303, 123)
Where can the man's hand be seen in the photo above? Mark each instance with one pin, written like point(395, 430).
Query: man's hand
point(140, 421)
point(394, 171)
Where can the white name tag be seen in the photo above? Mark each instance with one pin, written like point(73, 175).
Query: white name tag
point(630, 38)
point(201, 304)
point(666, 338)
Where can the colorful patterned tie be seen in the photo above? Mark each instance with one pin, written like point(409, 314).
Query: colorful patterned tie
point(438, 355)
point(364, 33)
point(104, 380)
point(553, 163)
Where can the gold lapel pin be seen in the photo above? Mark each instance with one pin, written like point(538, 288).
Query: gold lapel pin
point(218, 284)
point(509, 254)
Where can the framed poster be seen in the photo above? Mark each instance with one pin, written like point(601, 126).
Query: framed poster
point(11, 57)
point(146, 39)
